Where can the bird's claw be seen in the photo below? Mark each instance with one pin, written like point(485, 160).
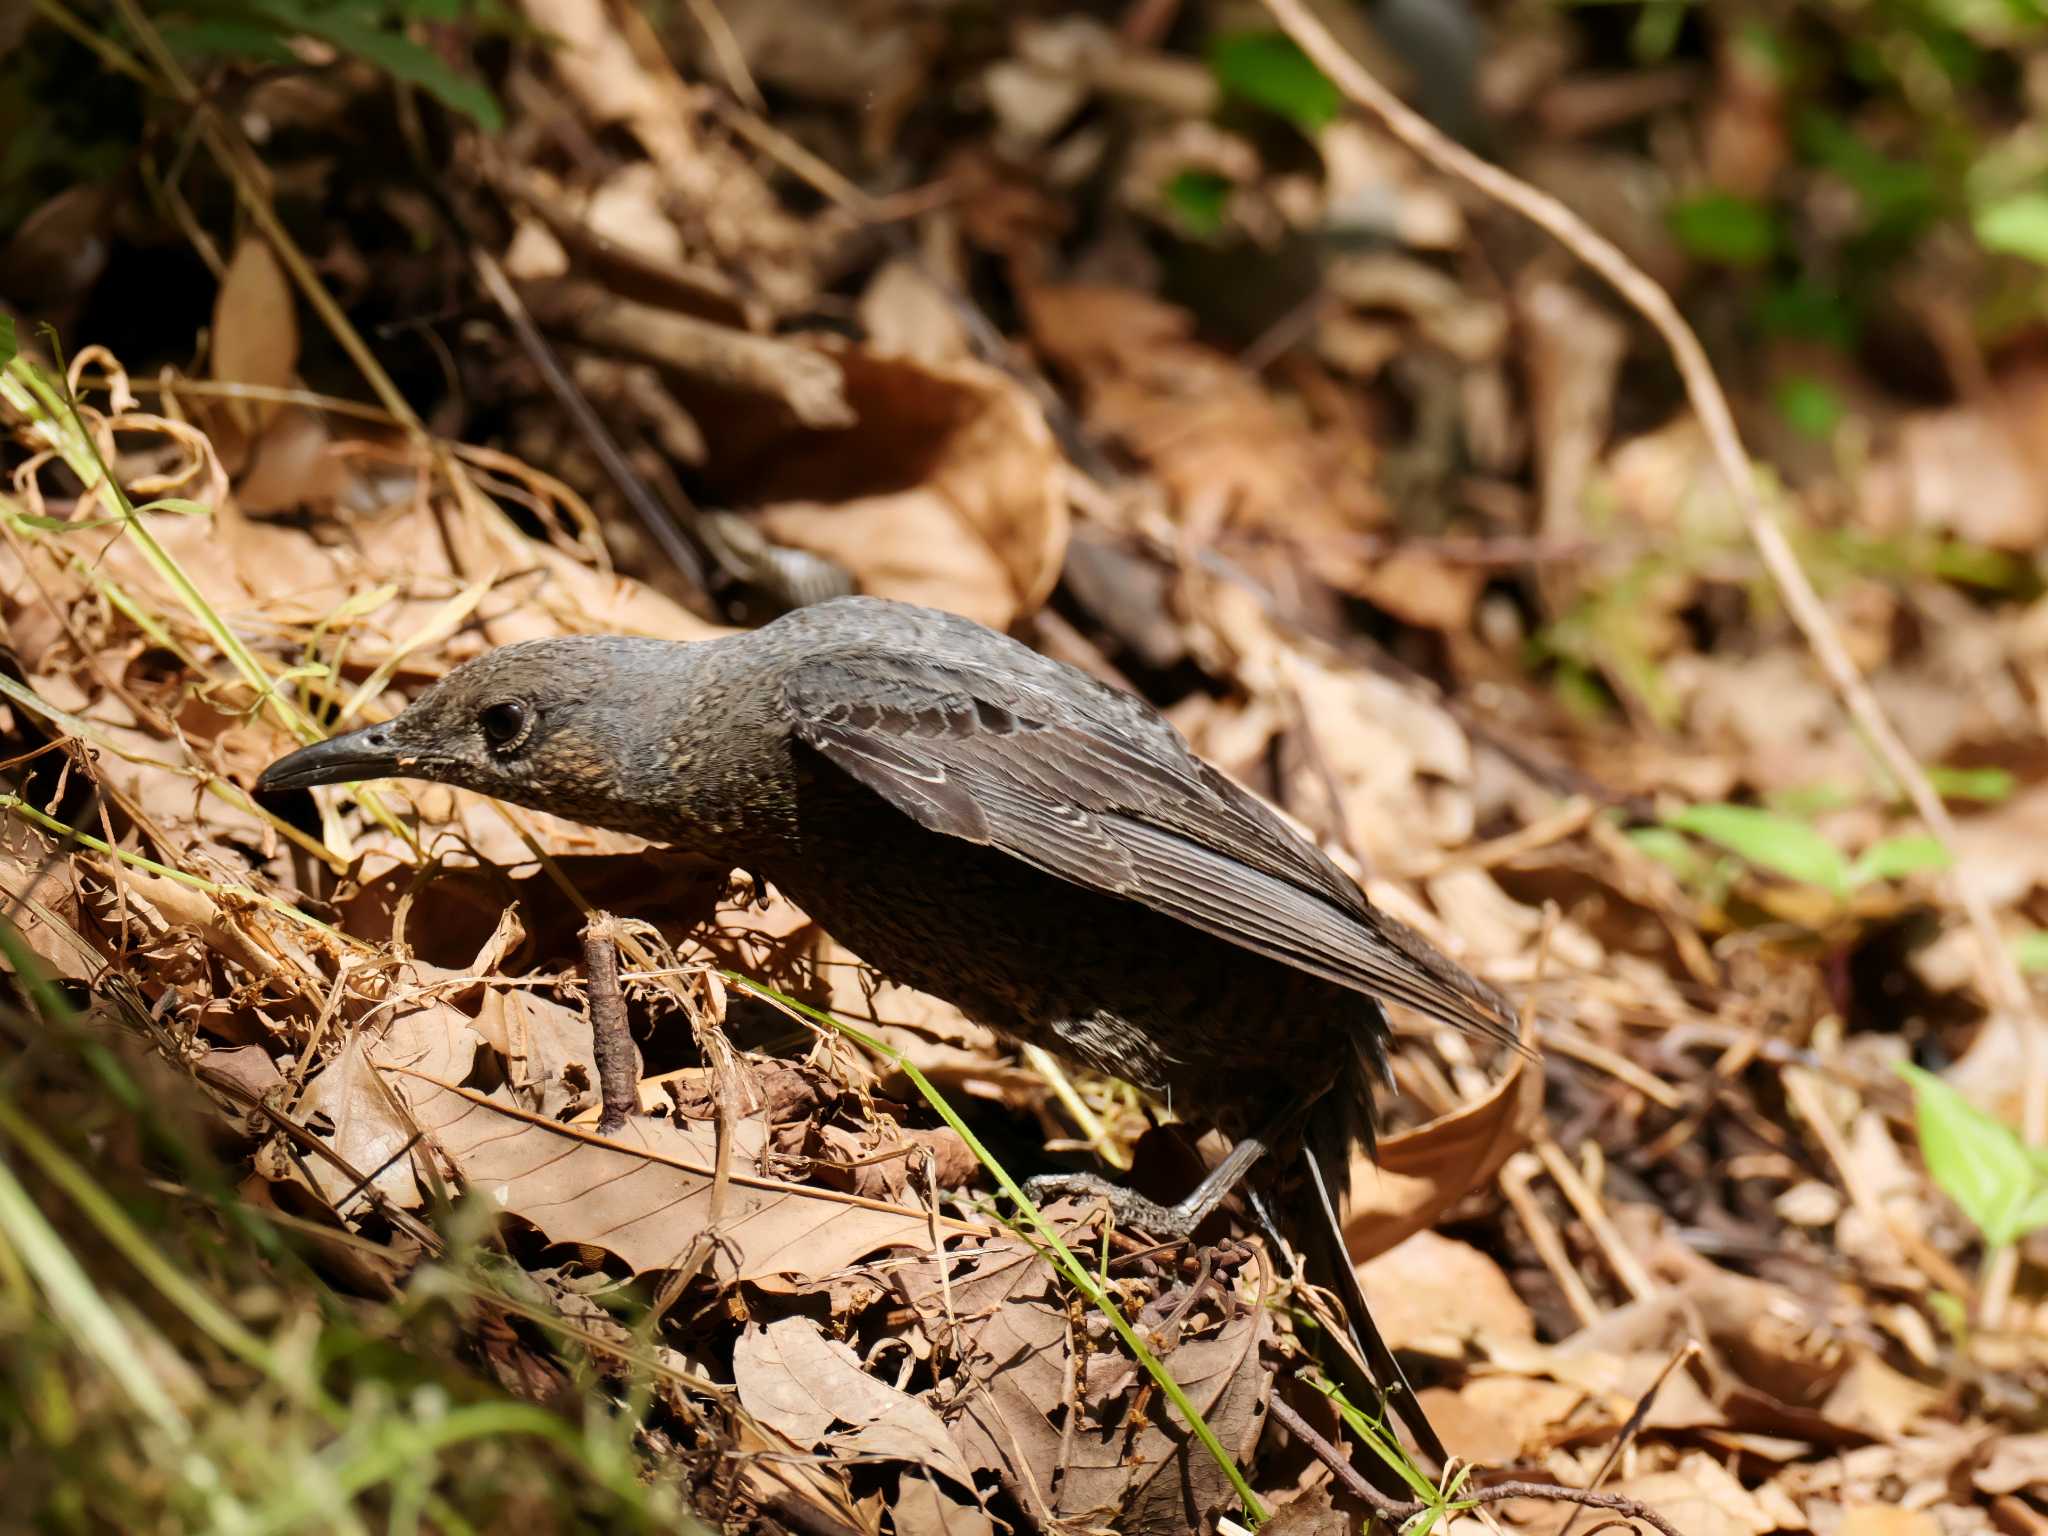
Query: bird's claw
point(1127, 1206)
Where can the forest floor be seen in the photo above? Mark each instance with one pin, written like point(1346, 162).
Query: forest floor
point(344, 343)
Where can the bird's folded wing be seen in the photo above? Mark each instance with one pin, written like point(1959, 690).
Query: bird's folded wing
point(1098, 791)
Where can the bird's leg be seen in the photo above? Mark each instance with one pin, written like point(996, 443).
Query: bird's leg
point(611, 1042)
point(1132, 1209)
point(1178, 1220)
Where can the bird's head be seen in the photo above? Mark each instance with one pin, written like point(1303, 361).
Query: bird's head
point(579, 726)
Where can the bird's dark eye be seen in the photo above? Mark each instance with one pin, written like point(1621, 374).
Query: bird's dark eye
point(504, 723)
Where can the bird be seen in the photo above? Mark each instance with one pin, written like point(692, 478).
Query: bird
point(991, 826)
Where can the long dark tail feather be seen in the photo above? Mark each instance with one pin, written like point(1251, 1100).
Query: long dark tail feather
point(1341, 1122)
point(1386, 1381)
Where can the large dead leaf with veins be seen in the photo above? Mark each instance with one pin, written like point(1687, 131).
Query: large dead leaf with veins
point(550, 1065)
point(813, 1389)
point(353, 1103)
point(1107, 1450)
point(1702, 1498)
point(648, 1194)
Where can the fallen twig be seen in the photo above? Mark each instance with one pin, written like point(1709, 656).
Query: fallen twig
point(1396, 1513)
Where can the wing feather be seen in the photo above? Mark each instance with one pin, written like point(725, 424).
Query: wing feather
point(1096, 788)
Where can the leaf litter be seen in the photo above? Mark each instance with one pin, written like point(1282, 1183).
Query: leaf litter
point(1702, 1250)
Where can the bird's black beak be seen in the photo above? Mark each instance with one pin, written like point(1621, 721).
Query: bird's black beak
point(370, 753)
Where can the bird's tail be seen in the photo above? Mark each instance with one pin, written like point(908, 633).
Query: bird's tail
point(1340, 1124)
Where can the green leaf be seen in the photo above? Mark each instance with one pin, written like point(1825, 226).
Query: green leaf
point(1897, 857)
point(1671, 850)
point(1809, 405)
point(1198, 199)
point(1900, 197)
point(1989, 785)
point(1810, 311)
point(6, 340)
point(1723, 228)
point(1810, 800)
point(394, 53)
point(404, 60)
point(2030, 951)
point(1951, 1312)
point(226, 37)
point(1973, 565)
point(1656, 30)
point(2015, 225)
point(1268, 70)
point(1977, 1159)
point(178, 506)
point(1769, 841)
point(59, 524)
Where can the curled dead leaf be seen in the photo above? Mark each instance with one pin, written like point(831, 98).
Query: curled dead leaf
point(255, 331)
point(967, 510)
point(794, 1379)
point(1422, 1173)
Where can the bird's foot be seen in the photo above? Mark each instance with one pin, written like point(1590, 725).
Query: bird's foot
point(1130, 1208)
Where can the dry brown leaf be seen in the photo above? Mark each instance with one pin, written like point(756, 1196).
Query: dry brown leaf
point(1003, 1311)
point(255, 331)
point(40, 903)
point(776, 1477)
point(1615, 1361)
point(352, 1103)
point(794, 1379)
point(712, 183)
point(949, 491)
point(292, 465)
point(1978, 470)
point(2017, 1463)
point(1208, 429)
point(647, 1193)
point(905, 313)
point(1421, 587)
point(1399, 766)
point(550, 1065)
point(1771, 1341)
point(156, 775)
point(1701, 1499)
point(922, 1508)
point(1498, 1420)
point(1422, 1173)
point(1430, 1292)
point(1878, 1401)
point(1887, 1520)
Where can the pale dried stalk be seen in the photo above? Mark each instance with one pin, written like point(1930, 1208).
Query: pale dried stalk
point(1517, 1176)
point(1999, 974)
